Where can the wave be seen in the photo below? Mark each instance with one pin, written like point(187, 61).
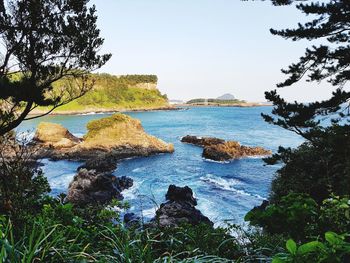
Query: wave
point(228, 185)
point(132, 192)
point(95, 113)
point(222, 183)
point(213, 161)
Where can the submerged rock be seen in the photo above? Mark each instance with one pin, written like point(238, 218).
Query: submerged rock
point(220, 150)
point(90, 187)
point(179, 209)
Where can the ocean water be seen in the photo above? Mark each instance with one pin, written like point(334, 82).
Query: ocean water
point(225, 191)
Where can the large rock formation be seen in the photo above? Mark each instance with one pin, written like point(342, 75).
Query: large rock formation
point(54, 135)
point(108, 140)
point(90, 187)
point(221, 150)
point(120, 130)
point(179, 209)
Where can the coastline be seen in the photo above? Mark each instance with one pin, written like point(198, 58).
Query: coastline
point(242, 105)
point(143, 109)
point(105, 110)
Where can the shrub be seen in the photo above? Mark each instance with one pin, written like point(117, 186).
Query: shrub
point(335, 248)
point(318, 168)
point(23, 187)
point(292, 215)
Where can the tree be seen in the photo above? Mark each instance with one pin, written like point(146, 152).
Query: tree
point(320, 166)
point(45, 41)
point(329, 62)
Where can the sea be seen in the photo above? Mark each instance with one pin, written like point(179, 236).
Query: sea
point(225, 191)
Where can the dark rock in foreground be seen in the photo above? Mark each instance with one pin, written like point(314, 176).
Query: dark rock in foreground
point(220, 150)
point(90, 187)
point(179, 209)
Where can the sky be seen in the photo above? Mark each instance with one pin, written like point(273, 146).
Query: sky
point(205, 48)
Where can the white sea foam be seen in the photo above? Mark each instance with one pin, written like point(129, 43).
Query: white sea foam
point(149, 213)
point(228, 185)
point(132, 192)
point(213, 161)
point(220, 182)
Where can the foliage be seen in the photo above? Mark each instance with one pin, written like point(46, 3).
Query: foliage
point(95, 126)
point(45, 41)
point(117, 92)
point(335, 248)
point(300, 217)
point(62, 233)
point(292, 215)
point(320, 167)
point(22, 184)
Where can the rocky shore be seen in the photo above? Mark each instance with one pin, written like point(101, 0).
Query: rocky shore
point(107, 141)
point(220, 150)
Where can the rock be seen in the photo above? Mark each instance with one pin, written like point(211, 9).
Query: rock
point(220, 150)
point(90, 187)
point(232, 150)
point(54, 135)
point(201, 141)
point(120, 130)
point(180, 194)
point(132, 220)
point(101, 163)
point(108, 140)
point(179, 209)
point(123, 183)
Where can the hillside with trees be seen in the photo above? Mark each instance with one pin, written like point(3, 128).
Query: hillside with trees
point(111, 92)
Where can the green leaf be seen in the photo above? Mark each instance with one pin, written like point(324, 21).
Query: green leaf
point(278, 260)
point(332, 238)
point(310, 247)
point(291, 246)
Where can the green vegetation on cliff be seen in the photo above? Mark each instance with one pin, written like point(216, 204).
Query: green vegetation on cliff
point(112, 92)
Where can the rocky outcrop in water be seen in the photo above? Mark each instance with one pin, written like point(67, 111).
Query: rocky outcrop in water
point(179, 209)
point(108, 140)
point(202, 141)
point(220, 150)
point(91, 187)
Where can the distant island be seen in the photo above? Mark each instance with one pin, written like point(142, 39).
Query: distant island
point(116, 93)
point(226, 100)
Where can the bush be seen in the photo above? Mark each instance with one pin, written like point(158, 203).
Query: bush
point(23, 187)
point(335, 248)
point(299, 216)
point(293, 215)
point(318, 168)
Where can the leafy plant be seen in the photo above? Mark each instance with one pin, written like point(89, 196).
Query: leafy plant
point(334, 249)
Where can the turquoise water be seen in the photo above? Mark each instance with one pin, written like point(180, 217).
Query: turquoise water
point(225, 191)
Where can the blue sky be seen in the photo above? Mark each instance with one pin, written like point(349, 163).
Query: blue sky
point(204, 48)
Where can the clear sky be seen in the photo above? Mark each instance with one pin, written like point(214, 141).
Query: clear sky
point(204, 48)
